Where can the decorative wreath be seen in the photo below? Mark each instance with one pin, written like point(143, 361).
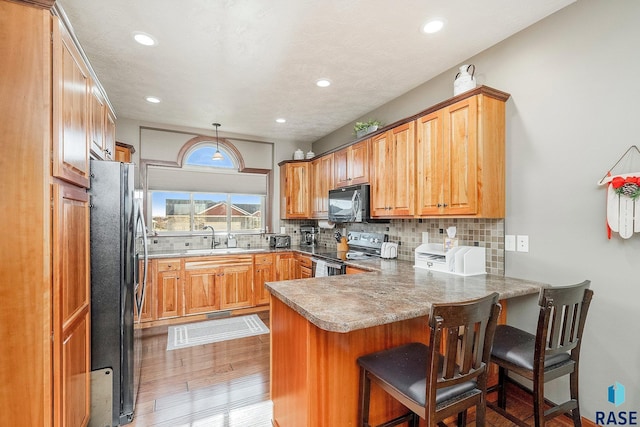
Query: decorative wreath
point(629, 186)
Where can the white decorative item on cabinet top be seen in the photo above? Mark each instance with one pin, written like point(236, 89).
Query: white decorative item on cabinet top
point(463, 80)
point(623, 201)
point(298, 154)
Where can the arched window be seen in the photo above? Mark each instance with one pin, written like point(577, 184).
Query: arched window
point(202, 155)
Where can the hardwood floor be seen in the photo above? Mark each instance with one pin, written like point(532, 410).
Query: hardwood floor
point(226, 384)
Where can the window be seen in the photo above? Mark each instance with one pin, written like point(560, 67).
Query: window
point(174, 211)
point(203, 156)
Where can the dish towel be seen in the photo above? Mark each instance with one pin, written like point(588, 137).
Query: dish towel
point(321, 268)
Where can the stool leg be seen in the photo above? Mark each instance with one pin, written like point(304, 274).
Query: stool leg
point(538, 402)
point(365, 395)
point(573, 384)
point(462, 418)
point(502, 392)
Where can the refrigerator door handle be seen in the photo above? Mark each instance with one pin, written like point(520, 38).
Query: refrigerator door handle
point(145, 246)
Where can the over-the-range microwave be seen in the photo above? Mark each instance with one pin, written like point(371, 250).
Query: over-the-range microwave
point(350, 204)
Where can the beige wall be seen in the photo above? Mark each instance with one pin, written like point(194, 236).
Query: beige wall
point(572, 113)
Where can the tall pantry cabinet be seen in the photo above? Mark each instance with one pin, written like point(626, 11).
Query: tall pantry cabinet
point(44, 257)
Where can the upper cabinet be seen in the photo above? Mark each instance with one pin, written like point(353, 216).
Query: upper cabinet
point(460, 159)
point(392, 167)
point(71, 85)
point(321, 183)
point(351, 164)
point(294, 190)
point(102, 129)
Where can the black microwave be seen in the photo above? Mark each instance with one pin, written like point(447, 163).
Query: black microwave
point(349, 204)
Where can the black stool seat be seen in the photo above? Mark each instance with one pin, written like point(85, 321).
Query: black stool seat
point(405, 368)
point(518, 347)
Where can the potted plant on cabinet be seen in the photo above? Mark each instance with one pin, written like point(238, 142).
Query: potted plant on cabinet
point(363, 128)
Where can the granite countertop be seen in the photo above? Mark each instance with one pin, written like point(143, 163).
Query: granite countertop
point(393, 291)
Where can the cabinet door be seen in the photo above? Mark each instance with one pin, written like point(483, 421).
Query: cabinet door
point(169, 294)
point(402, 155)
point(461, 157)
point(200, 291)
point(430, 161)
point(96, 122)
point(263, 272)
point(340, 165)
point(382, 172)
point(285, 266)
point(294, 190)
point(358, 162)
point(109, 135)
point(71, 333)
point(70, 111)
point(321, 183)
point(236, 287)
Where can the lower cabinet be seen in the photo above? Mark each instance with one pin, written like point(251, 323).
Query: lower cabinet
point(286, 266)
point(305, 266)
point(236, 286)
point(149, 301)
point(168, 290)
point(263, 271)
point(200, 291)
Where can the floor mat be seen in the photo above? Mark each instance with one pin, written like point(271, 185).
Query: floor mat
point(210, 331)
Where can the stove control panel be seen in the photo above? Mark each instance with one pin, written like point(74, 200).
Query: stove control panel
point(360, 240)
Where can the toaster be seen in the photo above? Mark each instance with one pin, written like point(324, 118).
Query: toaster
point(389, 250)
point(280, 241)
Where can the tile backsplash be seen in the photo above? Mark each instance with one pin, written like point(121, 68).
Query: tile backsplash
point(487, 233)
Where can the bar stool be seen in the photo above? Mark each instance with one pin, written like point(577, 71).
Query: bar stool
point(554, 351)
point(440, 380)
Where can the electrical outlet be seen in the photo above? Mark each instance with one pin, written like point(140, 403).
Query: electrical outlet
point(522, 243)
point(510, 242)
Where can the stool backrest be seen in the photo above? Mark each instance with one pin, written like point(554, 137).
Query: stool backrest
point(460, 342)
point(563, 312)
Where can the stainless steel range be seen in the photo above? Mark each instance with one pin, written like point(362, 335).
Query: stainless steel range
point(362, 245)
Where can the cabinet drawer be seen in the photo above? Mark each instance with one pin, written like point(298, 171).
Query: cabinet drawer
point(263, 259)
point(168, 264)
point(305, 262)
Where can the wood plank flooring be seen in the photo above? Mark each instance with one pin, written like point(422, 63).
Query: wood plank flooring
point(226, 384)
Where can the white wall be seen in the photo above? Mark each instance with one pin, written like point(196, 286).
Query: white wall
point(572, 113)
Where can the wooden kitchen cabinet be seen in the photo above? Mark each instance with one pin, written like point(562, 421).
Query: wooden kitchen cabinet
point(102, 126)
point(460, 159)
point(263, 271)
point(321, 183)
point(351, 164)
point(295, 190)
point(201, 293)
point(392, 167)
point(123, 152)
point(286, 266)
point(304, 266)
point(71, 87)
point(354, 270)
point(71, 293)
point(236, 286)
point(168, 288)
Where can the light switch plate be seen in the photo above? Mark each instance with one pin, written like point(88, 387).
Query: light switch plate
point(522, 243)
point(510, 242)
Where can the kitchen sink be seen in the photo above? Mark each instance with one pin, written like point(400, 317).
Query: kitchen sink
point(223, 251)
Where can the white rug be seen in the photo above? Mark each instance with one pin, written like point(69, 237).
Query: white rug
point(229, 328)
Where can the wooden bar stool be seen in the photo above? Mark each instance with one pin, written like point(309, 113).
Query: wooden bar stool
point(440, 380)
point(554, 351)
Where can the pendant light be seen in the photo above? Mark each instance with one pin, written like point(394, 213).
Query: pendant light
point(217, 155)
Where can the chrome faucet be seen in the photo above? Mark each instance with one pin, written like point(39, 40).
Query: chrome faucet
point(213, 236)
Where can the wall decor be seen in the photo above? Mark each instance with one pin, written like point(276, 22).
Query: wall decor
point(623, 199)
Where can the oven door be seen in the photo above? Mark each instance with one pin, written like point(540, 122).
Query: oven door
point(324, 268)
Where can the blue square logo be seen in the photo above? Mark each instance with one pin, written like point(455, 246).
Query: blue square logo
point(616, 394)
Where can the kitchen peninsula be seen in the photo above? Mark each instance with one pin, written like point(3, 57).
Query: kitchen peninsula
point(320, 326)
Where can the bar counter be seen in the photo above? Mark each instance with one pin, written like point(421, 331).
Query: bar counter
point(320, 326)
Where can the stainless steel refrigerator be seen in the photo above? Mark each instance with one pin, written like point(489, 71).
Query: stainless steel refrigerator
point(118, 243)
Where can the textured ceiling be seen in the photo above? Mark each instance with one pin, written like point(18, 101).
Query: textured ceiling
point(244, 63)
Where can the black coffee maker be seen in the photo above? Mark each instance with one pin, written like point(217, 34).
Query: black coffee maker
point(308, 235)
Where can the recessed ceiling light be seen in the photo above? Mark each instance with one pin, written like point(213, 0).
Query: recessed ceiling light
point(144, 39)
point(323, 83)
point(281, 120)
point(152, 99)
point(433, 26)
